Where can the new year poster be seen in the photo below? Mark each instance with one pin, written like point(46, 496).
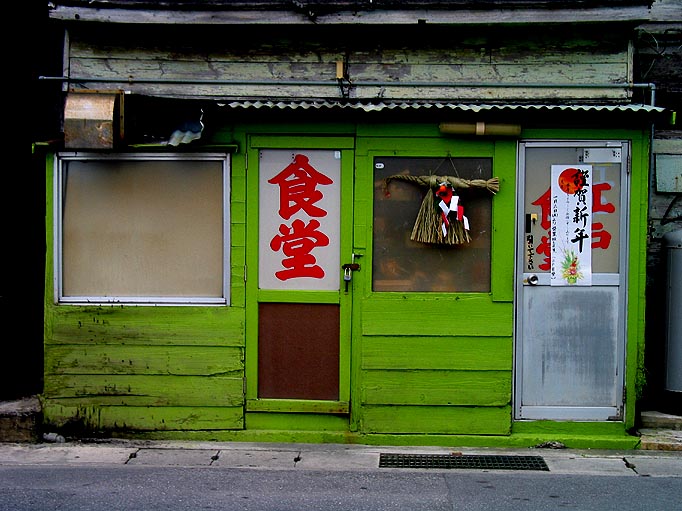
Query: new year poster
point(571, 229)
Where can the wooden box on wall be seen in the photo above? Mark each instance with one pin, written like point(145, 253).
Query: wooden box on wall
point(92, 120)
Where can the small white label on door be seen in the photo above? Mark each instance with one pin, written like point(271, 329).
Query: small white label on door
point(602, 155)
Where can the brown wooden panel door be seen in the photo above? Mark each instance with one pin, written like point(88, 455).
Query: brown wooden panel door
point(298, 351)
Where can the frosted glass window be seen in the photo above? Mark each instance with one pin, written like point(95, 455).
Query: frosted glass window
point(606, 191)
point(400, 264)
point(143, 230)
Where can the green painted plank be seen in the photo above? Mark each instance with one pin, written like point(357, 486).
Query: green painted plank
point(238, 257)
point(337, 133)
point(297, 406)
point(504, 441)
point(449, 315)
point(237, 289)
point(470, 388)
point(144, 360)
point(296, 421)
point(144, 390)
point(295, 296)
point(504, 222)
point(547, 428)
point(635, 377)
point(237, 210)
point(142, 418)
point(219, 326)
point(289, 142)
point(391, 143)
point(482, 353)
point(437, 419)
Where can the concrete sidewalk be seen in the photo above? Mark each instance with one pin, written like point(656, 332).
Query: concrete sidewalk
point(327, 457)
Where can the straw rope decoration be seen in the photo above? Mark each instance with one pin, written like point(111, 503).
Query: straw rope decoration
point(441, 218)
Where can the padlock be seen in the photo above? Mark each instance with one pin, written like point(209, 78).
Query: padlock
point(346, 276)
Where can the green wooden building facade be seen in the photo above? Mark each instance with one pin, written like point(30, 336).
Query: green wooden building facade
point(267, 276)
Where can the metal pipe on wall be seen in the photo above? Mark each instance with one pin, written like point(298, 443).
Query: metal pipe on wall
point(477, 85)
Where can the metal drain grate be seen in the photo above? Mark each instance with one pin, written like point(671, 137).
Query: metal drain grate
point(493, 462)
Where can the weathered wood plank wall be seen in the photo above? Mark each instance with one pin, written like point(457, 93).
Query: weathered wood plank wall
point(442, 64)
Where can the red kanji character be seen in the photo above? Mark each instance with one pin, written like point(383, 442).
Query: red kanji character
point(298, 188)
point(601, 238)
point(544, 202)
point(597, 204)
point(297, 242)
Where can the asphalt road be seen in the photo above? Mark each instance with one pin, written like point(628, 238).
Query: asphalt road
point(233, 476)
point(152, 488)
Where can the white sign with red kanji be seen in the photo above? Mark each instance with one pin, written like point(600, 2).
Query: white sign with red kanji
point(299, 220)
point(571, 225)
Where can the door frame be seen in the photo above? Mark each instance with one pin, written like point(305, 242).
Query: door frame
point(254, 295)
point(621, 280)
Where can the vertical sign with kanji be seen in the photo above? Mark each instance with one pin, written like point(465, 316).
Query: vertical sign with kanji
point(299, 219)
point(571, 225)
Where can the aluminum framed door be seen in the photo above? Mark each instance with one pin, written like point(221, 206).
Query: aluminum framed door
point(570, 334)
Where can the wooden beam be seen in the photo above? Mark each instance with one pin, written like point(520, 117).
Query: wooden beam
point(369, 17)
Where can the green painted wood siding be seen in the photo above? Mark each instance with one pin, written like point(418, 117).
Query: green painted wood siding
point(422, 363)
point(147, 368)
point(441, 63)
point(435, 363)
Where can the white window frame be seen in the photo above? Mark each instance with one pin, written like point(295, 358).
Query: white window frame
point(60, 166)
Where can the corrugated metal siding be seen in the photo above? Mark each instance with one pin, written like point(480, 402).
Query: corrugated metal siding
point(416, 105)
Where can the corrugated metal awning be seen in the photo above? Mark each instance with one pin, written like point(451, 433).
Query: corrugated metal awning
point(431, 105)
